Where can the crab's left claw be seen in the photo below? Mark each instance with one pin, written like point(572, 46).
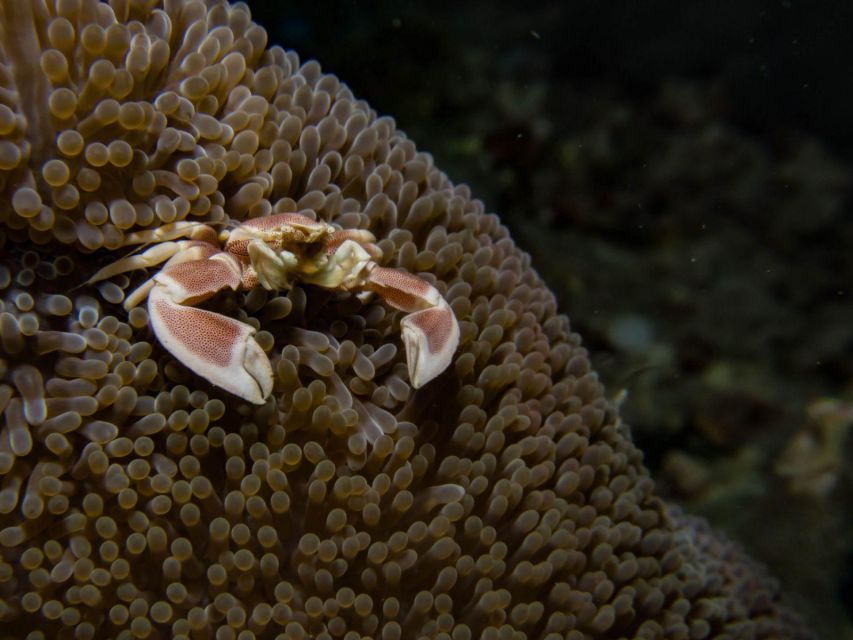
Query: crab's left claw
point(430, 331)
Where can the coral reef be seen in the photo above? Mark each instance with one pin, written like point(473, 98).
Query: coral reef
point(505, 499)
point(812, 460)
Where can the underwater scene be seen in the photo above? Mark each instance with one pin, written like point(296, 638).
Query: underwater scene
point(407, 320)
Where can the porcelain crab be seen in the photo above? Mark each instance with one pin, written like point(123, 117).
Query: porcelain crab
point(273, 252)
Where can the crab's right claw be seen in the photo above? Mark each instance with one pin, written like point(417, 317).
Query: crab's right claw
point(430, 331)
point(218, 348)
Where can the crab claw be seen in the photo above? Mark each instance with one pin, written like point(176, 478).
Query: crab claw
point(430, 331)
point(431, 337)
point(218, 348)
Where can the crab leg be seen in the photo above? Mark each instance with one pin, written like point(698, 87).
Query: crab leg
point(172, 231)
point(430, 331)
point(186, 251)
point(216, 347)
point(152, 257)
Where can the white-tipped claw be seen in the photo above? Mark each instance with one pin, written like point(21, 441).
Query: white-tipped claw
point(430, 331)
point(220, 349)
point(431, 337)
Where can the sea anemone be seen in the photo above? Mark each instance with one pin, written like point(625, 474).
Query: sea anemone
point(505, 499)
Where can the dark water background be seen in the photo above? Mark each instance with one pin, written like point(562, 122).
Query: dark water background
point(680, 172)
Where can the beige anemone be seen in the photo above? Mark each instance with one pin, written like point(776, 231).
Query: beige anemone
point(503, 500)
